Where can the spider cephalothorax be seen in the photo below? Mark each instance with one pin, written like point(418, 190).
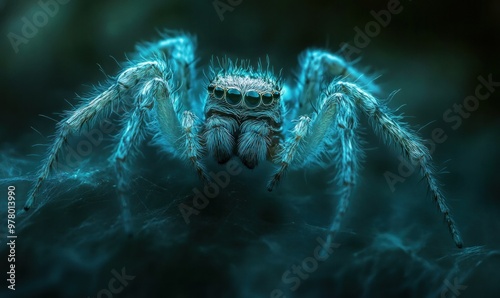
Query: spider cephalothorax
point(245, 112)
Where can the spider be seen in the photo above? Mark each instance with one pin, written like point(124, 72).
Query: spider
point(244, 112)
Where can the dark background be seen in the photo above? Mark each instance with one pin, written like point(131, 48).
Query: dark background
point(392, 243)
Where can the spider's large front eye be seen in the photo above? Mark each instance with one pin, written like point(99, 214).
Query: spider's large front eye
point(276, 95)
point(267, 98)
point(233, 96)
point(252, 99)
point(218, 92)
point(210, 88)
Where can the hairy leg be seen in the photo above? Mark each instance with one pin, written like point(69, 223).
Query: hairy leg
point(318, 66)
point(87, 113)
point(335, 123)
point(348, 153)
point(131, 136)
point(177, 50)
point(392, 129)
point(308, 141)
point(317, 69)
point(180, 132)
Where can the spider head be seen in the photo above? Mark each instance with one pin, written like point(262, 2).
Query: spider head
point(242, 87)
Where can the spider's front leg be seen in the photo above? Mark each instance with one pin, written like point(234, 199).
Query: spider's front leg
point(157, 102)
point(334, 124)
point(329, 132)
point(179, 132)
point(158, 109)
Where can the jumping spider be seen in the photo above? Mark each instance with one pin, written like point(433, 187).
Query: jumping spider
point(245, 112)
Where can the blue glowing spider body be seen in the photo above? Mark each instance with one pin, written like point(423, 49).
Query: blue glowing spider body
point(244, 112)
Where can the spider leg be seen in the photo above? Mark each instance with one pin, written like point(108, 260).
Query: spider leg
point(335, 123)
point(178, 132)
point(87, 113)
point(307, 141)
point(347, 153)
point(181, 133)
point(309, 133)
point(392, 129)
point(310, 137)
point(179, 48)
point(192, 143)
point(317, 69)
point(131, 136)
point(292, 149)
point(180, 52)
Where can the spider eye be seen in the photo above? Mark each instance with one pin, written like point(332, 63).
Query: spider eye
point(252, 99)
point(267, 98)
point(276, 95)
point(210, 88)
point(218, 92)
point(233, 96)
